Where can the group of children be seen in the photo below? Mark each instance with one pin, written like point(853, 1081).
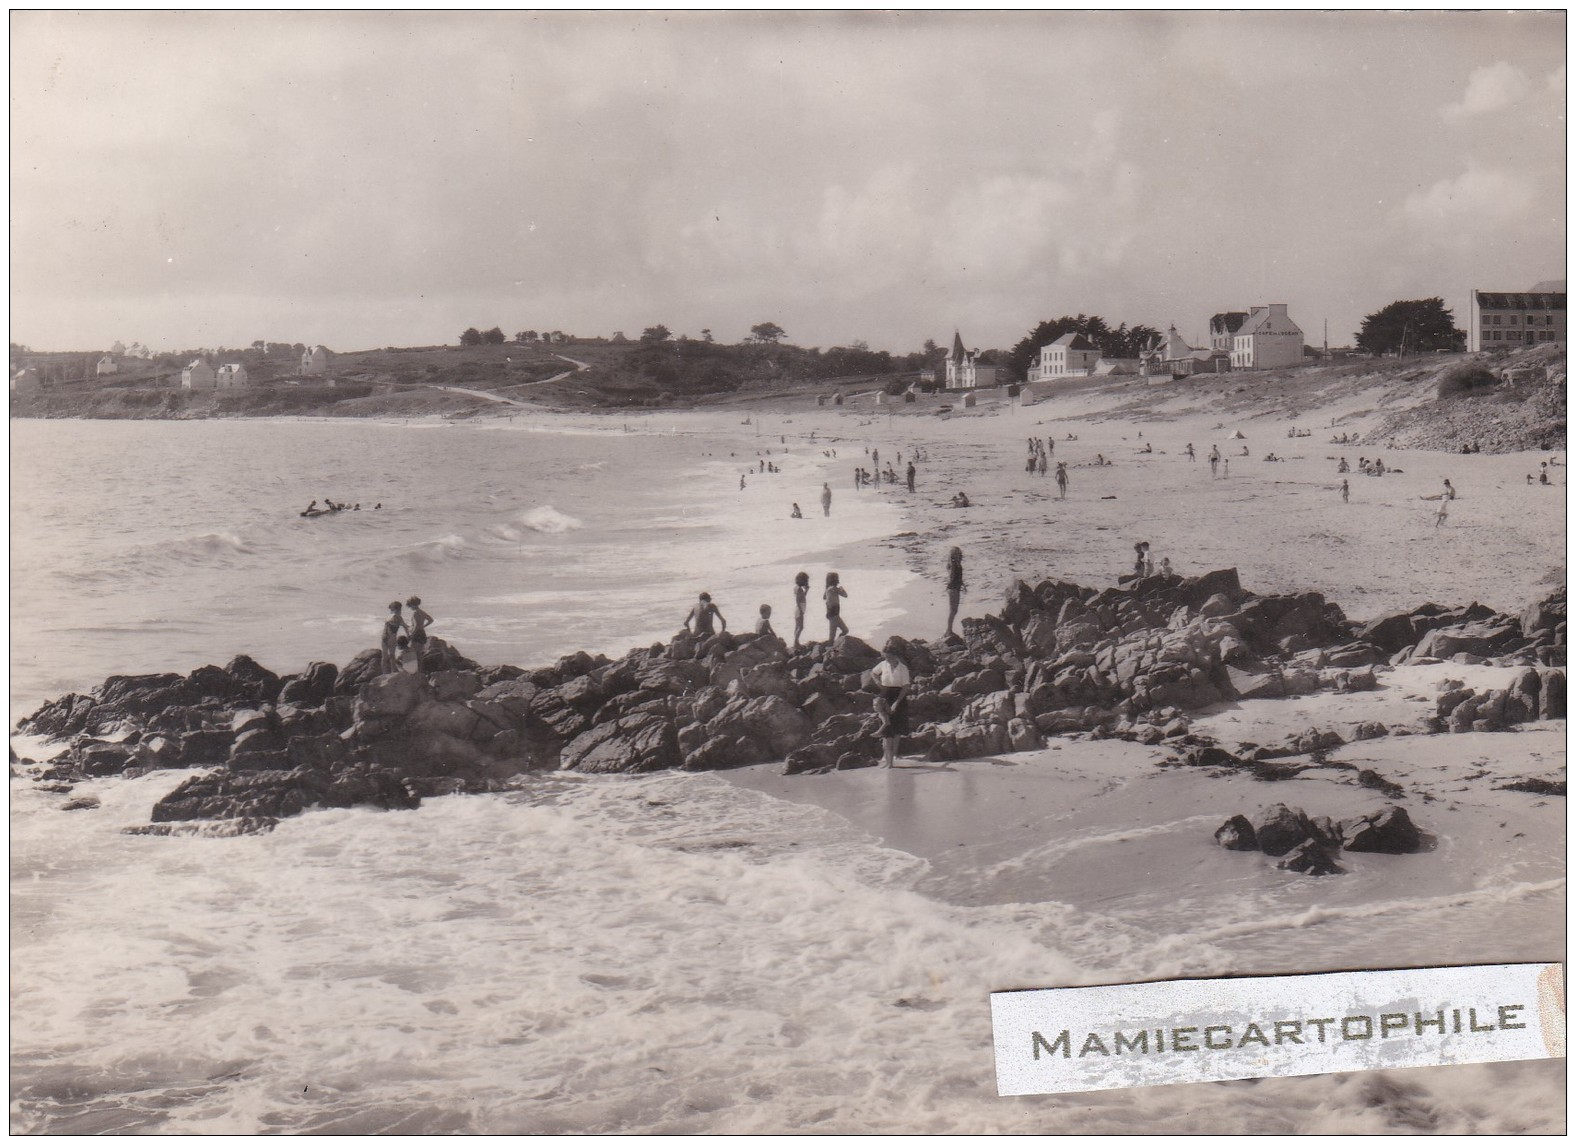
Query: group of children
point(706, 619)
point(402, 652)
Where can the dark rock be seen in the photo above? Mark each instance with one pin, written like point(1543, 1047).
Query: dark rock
point(1281, 828)
point(640, 743)
point(1309, 858)
point(1552, 700)
point(455, 686)
point(1390, 633)
point(105, 759)
point(1237, 835)
point(361, 670)
point(1535, 785)
point(1367, 731)
point(391, 695)
point(1368, 779)
point(1246, 684)
point(850, 655)
point(1389, 830)
point(74, 803)
point(728, 753)
point(251, 677)
point(776, 723)
point(227, 794)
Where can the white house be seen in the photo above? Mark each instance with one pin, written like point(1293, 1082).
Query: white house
point(1497, 320)
point(26, 382)
point(229, 376)
point(107, 366)
point(197, 376)
point(1268, 339)
point(1070, 355)
point(314, 360)
point(965, 371)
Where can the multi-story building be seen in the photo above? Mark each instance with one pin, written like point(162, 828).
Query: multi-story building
point(229, 376)
point(1071, 355)
point(964, 369)
point(1502, 320)
point(197, 375)
point(1223, 328)
point(1266, 340)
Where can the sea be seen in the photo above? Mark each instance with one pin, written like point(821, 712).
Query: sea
point(658, 953)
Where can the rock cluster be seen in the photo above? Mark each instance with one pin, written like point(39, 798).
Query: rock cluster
point(1311, 845)
point(1059, 658)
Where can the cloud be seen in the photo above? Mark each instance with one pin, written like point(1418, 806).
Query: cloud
point(1490, 88)
point(1478, 196)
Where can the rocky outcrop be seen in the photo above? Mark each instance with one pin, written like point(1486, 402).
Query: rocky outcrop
point(1060, 658)
point(1311, 845)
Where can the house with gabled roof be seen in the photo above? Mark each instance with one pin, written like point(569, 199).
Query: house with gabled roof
point(197, 375)
point(1266, 340)
point(107, 366)
point(1071, 355)
point(964, 369)
point(229, 376)
point(314, 360)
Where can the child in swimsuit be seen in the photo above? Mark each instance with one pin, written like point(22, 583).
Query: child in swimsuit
point(419, 620)
point(801, 592)
point(834, 595)
point(391, 635)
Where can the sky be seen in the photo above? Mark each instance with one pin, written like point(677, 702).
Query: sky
point(369, 179)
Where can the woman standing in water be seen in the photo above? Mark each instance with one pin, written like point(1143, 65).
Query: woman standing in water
point(834, 595)
point(891, 678)
point(955, 585)
point(801, 593)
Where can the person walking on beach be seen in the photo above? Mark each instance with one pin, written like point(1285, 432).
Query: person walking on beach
point(391, 636)
point(891, 678)
point(1061, 480)
point(826, 499)
point(1043, 463)
point(1214, 461)
point(834, 595)
point(1190, 455)
point(1346, 492)
point(1444, 506)
point(419, 620)
point(801, 593)
point(911, 476)
point(955, 585)
point(701, 616)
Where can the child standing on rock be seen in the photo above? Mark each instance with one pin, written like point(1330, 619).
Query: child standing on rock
point(834, 595)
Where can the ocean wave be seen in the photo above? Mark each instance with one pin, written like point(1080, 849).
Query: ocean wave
point(546, 519)
point(450, 546)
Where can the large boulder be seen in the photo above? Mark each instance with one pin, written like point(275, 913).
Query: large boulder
point(1310, 858)
point(361, 670)
point(775, 722)
point(391, 695)
point(639, 743)
point(1280, 828)
point(250, 678)
point(1237, 835)
point(228, 794)
point(1388, 830)
point(312, 688)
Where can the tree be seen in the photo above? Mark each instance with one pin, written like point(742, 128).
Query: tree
point(1121, 342)
point(657, 334)
point(766, 333)
point(493, 335)
point(470, 337)
point(705, 334)
point(1412, 325)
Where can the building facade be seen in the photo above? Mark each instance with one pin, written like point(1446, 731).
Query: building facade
point(314, 360)
point(197, 376)
point(1503, 320)
point(964, 369)
point(1266, 340)
point(1223, 328)
point(1073, 355)
point(107, 366)
point(229, 376)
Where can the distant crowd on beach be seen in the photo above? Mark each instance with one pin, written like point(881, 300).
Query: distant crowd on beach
point(312, 510)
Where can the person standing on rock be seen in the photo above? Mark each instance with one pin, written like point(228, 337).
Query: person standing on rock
point(419, 620)
point(834, 595)
point(892, 678)
point(826, 499)
point(701, 616)
point(391, 637)
point(955, 585)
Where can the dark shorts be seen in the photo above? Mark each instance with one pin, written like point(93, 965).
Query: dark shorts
point(896, 725)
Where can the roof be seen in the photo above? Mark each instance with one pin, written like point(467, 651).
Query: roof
point(1227, 322)
point(1074, 341)
point(1517, 301)
point(957, 346)
point(1260, 320)
point(1548, 286)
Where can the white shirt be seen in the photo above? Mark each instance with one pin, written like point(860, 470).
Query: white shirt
point(891, 674)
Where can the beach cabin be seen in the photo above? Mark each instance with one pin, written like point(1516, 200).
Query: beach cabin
point(1027, 395)
point(969, 399)
point(230, 376)
point(26, 382)
point(197, 376)
point(107, 366)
